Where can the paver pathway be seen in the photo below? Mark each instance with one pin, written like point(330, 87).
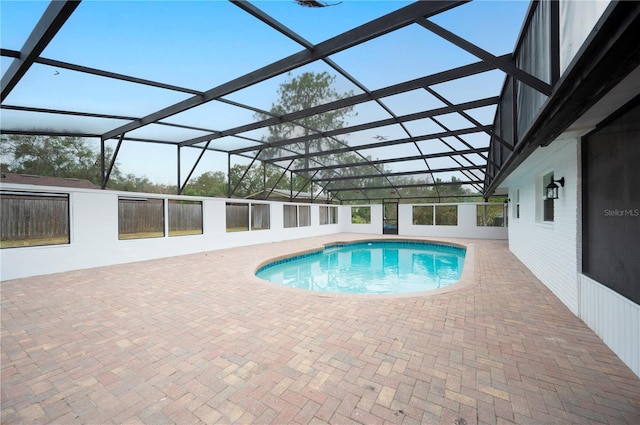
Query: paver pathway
point(197, 339)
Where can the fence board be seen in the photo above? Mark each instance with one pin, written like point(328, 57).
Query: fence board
point(27, 217)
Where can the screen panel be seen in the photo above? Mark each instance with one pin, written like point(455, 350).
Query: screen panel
point(611, 211)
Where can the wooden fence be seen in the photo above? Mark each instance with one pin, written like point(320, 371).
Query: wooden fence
point(145, 217)
point(237, 216)
point(29, 217)
point(260, 217)
point(185, 216)
point(140, 216)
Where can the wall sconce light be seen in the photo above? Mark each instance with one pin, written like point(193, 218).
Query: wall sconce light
point(552, 188)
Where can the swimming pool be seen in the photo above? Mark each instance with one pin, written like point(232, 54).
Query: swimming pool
point(370, 267)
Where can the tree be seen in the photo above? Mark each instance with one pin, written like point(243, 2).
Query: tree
point(71, 157)
point(305, 91)
point(211, 183)
point(54, 156)
point(254, 180)
point(133, 183)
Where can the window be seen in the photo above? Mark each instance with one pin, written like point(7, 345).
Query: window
point(290, 216)
point(260, 218)
point(140, 218)
point(237, 217)
point(491, 215)
point(185, 218)
point(446, 215)
point(423, 215)
point(32, 219)
point(328, 215)
point(547, 206)
point(324, 215)
point(361, 215)
point(333, 216)
point(304, 215)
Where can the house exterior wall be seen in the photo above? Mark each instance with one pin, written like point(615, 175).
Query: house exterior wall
point(614, 318)
point(548, 249)
point(552, 251)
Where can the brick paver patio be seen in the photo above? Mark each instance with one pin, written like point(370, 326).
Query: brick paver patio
point(197, 339)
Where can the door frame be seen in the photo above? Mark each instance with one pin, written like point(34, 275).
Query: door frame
point(389, 225)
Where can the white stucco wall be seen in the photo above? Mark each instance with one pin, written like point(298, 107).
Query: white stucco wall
point(94, 234)
point(467, 224)
point(375, 227)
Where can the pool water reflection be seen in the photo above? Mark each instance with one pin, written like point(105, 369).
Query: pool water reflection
point(376, 267)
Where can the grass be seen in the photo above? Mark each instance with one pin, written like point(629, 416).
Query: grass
point(56, 240)
point(64, 240)
point(185, 232)
point(237, 229)
point(141, 235)
point(159, 234)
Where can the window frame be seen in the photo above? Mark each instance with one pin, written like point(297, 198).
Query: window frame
point(54, 240)
point(145, 234)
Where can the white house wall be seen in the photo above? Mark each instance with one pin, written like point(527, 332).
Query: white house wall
point(375, 227)
point(548, 249)
point(94, 234)
point(466, 228)
point(552, 251)
point(613, 318)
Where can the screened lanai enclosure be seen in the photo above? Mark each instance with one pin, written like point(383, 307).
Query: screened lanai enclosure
point(427, 99)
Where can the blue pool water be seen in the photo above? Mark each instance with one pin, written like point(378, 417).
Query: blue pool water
point(377, 267)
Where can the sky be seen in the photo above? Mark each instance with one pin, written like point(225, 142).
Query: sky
point(203, 44)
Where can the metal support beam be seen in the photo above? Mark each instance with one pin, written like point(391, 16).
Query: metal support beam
point(462, 112)
point(373, 29)
point(309, 180)
point(400, 173)
point(95, 115)
point(607, 56)
point(392, 160)
point(291, 187)
point(10, 53)
point(382, 123)
point(229, 175)
point(183, 185)
point(178, 186)
point(47, 27)
point(105, 177)
point(264, 178)
point(461, 182)
point(502, 64)
point(437, 78)
point(102, 164)
point(450, 133)
point(279, 179)
point(243, 174)
point(468, 174)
